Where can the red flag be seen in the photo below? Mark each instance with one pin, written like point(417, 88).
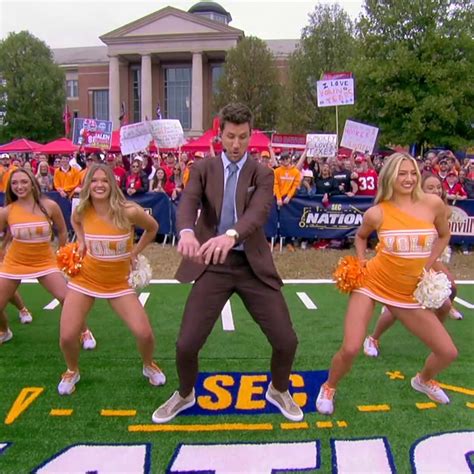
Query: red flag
point(123, 118)
point(215, 126)
point(67, 120)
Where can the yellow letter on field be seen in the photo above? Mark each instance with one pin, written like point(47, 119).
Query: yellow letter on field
point(247, 390)
point(26, 397)
point(214, 385)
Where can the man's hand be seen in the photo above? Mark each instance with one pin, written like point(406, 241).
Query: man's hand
point(188, 245)
point(286, 200)
point(215, 250)
point(279, 202)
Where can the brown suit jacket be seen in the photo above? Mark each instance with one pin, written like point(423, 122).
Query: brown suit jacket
point(254, 198)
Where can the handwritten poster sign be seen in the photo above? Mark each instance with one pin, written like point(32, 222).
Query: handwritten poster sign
point(359, 136)
point(167, 133)
point(324, 145)
point(137, 136)
point(335, 92)
point(92, 133)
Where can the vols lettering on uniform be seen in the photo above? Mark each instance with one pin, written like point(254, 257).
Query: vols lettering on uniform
point(31, 232)
point(107, 246)
point(408, 244)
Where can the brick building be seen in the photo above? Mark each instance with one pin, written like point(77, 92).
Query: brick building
point(170, 58)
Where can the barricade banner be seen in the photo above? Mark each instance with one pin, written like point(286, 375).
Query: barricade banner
point(302, 218)
point(308, 218)
point(159, 206)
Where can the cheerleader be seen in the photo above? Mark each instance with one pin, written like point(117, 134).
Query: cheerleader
point(104, 222)
point(413, 231)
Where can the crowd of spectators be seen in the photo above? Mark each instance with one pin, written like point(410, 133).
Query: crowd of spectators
point(297, 173)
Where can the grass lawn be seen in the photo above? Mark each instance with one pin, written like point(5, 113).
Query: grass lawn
point(231, 429)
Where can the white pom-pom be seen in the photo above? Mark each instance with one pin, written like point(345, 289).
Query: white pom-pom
point(445, 257)
point(433, 289)
point(141, 276)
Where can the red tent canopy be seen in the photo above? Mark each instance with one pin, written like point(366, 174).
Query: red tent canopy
point(22, 145)
point(59, 146)
point(258, 140)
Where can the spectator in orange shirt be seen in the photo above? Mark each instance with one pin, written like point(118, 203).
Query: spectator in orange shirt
point(66, 178)
point(287, 180)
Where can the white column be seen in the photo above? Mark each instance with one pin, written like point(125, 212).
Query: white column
point(197, 96)
point(114, 91)
point(146, 97)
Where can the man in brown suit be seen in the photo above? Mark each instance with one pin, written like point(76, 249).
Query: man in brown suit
point(226, 252)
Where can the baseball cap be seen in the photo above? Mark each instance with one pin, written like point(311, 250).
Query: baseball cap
point(359, 159)
point(253, 150)
point(277, 151)
point(110, 157)
point(265, 154)
point(4, 155)
point(285, 156)
point(307, 174)
point(452, 173)
point(199, 154)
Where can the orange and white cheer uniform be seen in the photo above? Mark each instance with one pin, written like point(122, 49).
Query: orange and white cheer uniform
point(106, 265)
point(405, 244)
point(30, 254)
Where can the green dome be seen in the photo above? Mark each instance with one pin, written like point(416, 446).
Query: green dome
point(210, 7)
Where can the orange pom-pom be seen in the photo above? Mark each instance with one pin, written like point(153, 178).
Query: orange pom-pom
point(68, 259)
point(349, 274)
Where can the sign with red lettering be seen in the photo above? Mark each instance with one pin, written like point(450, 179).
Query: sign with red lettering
point(359, 136)
point(283, 140)
point(335, 92)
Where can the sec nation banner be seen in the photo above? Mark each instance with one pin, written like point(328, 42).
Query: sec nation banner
point(308, 218)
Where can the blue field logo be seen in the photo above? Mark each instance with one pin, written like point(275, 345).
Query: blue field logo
point(243, 393)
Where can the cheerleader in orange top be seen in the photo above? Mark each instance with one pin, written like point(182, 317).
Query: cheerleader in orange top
point(104, 222)
point(413, 231)
point(30, 218)
point(430, 184)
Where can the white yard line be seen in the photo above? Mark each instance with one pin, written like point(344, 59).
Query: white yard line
point(52, 305)
point(307, 301)
point(143, 297)
point(227, 318)
point(464, 302)
point(286, 282)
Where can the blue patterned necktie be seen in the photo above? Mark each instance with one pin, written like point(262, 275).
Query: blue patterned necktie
point(228, 202)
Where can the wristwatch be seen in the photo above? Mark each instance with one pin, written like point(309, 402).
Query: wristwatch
point(232, 233)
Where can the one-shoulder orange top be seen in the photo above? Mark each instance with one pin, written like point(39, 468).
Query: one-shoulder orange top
point(106, 265)
point(30, 254)
point(405, 244)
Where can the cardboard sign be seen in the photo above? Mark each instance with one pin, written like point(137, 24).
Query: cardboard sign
point(335, 92)
point(92, 133)
point(324, 145)
point(167, 133)
point(359, 137)
point(137, 136)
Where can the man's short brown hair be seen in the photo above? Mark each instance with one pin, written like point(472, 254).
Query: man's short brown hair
point(235, 113)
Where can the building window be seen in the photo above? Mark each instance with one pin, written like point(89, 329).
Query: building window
point(178, 94)
point(100, 99)
point(72, 89)
point(136, 94)
point(216, 73)
point(75, 114)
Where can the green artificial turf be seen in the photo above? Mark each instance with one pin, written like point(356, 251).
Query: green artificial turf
point(111, 379)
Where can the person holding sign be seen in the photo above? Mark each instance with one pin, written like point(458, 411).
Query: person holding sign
point(225, 252)
point(413, 231)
